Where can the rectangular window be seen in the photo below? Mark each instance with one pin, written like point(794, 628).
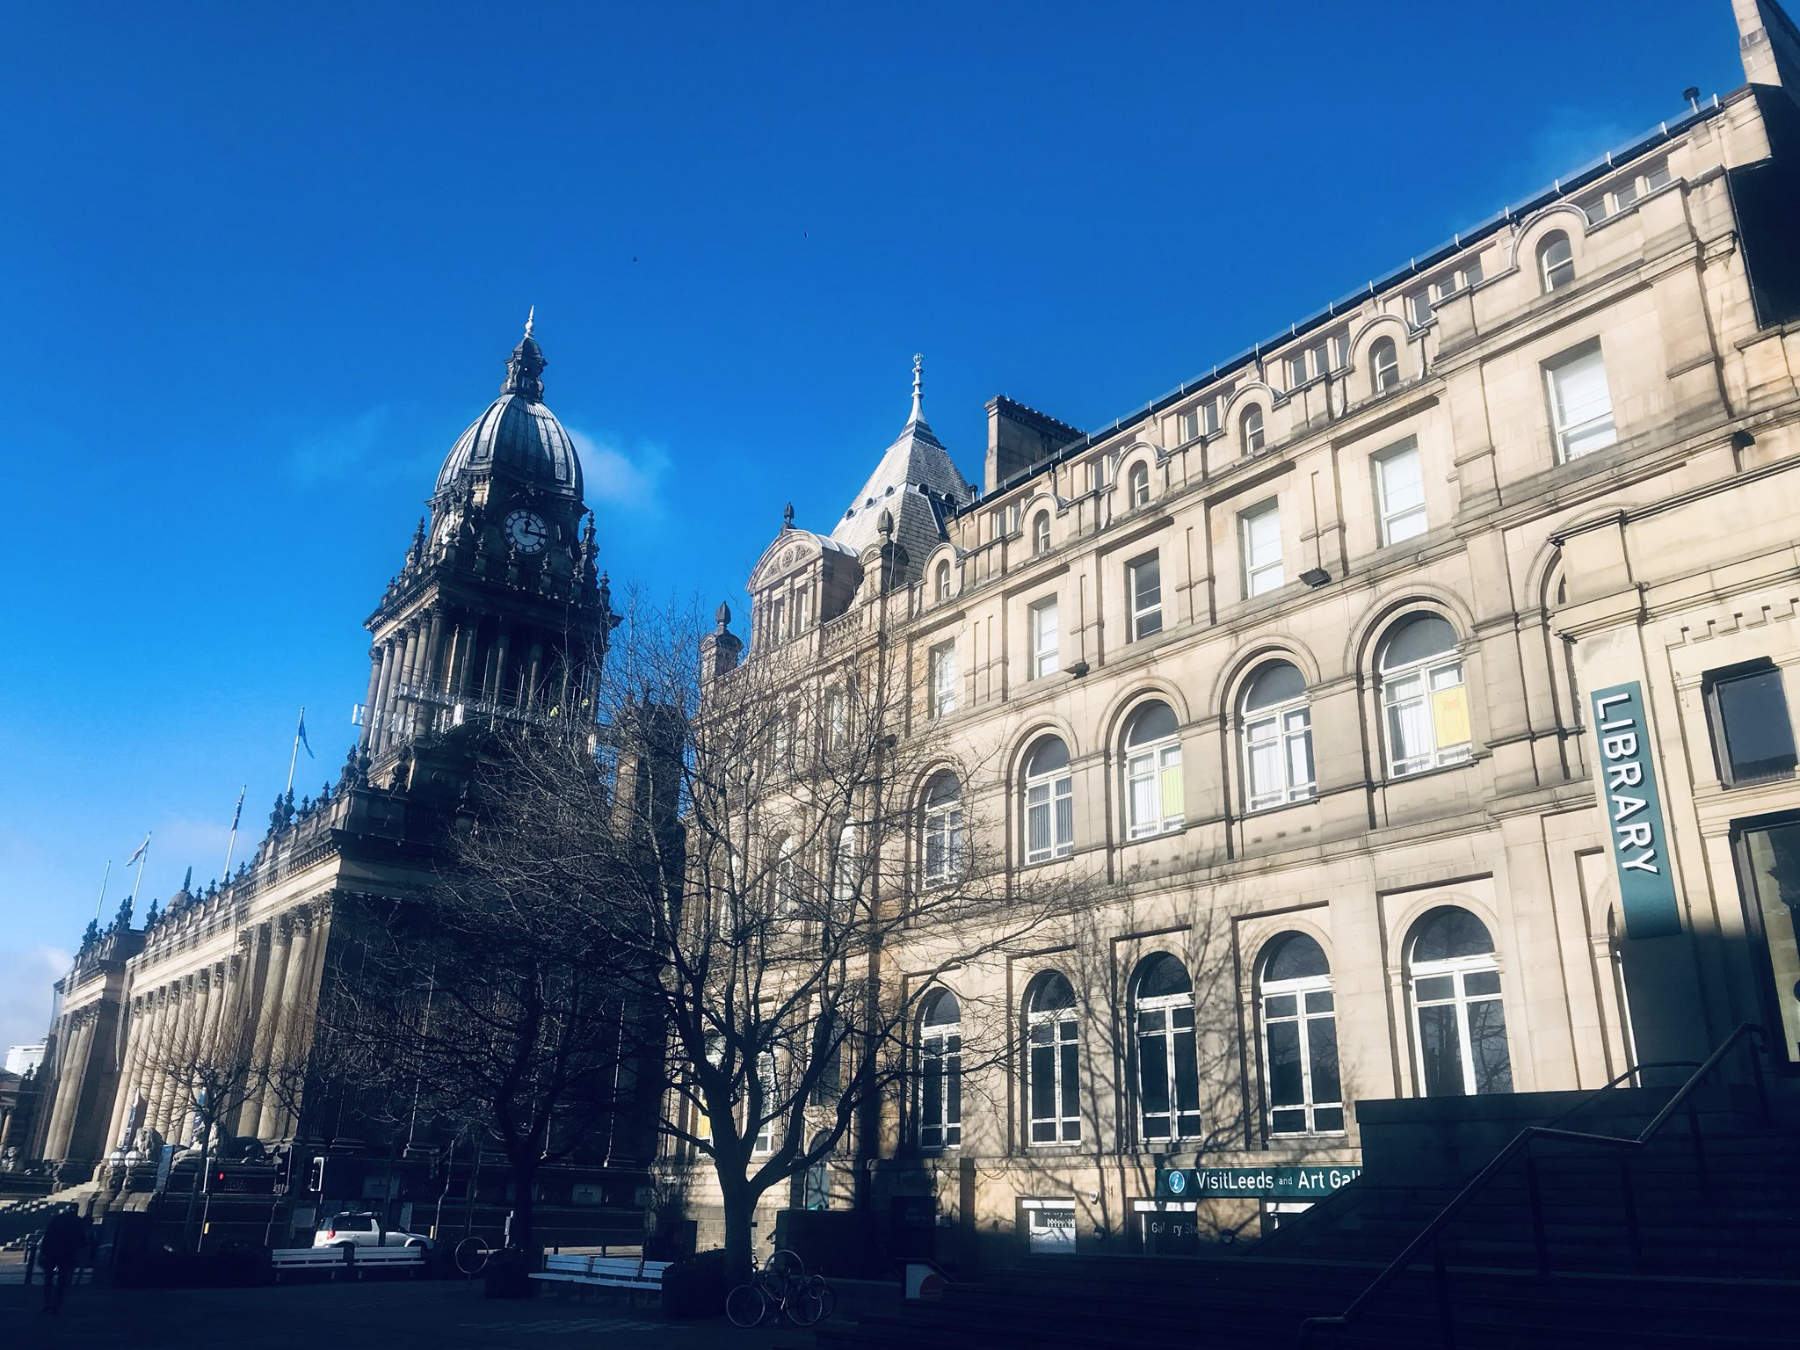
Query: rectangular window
point(1581, 413)
point(765, 1131)
point(1210, 417)
point(1399, 493)
point(1771, 891)
point(837, 719)
point(777, 614)
point(1752, 734)
point(802, 611)
point(1190, 425)
point(1046, 655)
point(1296, 370)
point(1096, 475)
point(1260, 532)
point(1658, 177)
point(1418, 309)
point(1144, 580)
point(942, 662)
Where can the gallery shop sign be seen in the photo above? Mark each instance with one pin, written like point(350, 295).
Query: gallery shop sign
point(1634, 813)
point(1255, 1183)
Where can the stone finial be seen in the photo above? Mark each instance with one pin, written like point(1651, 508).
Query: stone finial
point(787, 517)
point(885, 522)
point(723, 616)
point(918, 407)
point(530, 319)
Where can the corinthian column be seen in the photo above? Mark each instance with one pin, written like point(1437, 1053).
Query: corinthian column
point(133, 1014)
point(284, 1042)
point(278, 938)
point(69, 1083)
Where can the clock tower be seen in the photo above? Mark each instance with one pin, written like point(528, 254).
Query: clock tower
point(497, 612)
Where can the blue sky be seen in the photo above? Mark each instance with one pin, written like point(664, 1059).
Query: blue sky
point(263, 263)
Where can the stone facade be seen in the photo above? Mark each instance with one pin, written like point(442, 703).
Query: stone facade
point(1300, 658)
point(497, 612)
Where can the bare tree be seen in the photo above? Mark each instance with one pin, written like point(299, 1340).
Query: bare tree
point(492, 1002)
point(830, 866)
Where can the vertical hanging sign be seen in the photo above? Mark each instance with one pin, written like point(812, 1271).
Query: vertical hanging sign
point(1634, 813)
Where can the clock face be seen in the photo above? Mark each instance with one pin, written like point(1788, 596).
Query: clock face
point(526, 529)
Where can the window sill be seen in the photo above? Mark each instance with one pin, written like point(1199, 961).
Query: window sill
point(1416, 774)
point(1301, 1135)
point(1257, 812)
point(1171, 832)
point(1761, 780)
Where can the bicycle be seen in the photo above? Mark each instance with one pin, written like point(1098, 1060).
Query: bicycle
point(472, 1255)
point(781, 1289)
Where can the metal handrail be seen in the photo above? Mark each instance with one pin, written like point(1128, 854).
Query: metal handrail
point(1616, 1079)
point(1520, 1143)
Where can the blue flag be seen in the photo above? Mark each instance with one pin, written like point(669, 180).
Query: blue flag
point(300, 734)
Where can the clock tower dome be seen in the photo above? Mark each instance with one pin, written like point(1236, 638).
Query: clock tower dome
point(497, 612)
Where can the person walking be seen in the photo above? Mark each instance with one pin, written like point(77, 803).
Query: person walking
point(64, 1237)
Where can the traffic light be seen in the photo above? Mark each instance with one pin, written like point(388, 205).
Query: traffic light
point(214, 1175)
point(315, 1179)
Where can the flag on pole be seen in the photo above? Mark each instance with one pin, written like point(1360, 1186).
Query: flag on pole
point(138, 852)
point(300, 734)
point(240, 806)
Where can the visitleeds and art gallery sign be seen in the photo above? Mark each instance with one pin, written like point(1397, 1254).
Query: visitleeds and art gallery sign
point(1640, 836)
point(1256, 1183)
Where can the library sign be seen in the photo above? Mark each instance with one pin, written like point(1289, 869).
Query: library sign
point(1634, 814)
point(1253, 1183)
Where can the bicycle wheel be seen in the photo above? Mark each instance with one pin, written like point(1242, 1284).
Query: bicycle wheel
point(746, 1307)
point(826, 1295)
point(471, 1255)
point(808, 1303)
point(786, 1267)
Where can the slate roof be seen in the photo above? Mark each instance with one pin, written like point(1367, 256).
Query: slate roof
point(913, 480)
point(518, 437)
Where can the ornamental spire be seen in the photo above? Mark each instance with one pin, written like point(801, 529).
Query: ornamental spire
point(525, 368)
point(918, 408)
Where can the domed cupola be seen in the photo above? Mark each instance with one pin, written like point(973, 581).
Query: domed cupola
point(517, 437)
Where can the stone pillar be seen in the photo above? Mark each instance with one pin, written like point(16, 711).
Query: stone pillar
point(409, 675)
point(274, 1118)
point(134, 1018)
point(431, 667)
point(69, 1082)
point(280, 938)
point(534, 676)
point(389, 660)
point(170, 1089)
point(377, 663)
point(143, 1051)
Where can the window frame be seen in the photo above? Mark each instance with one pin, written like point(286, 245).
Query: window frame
point(1040, 534)
point(1713, 683)
point(1426, 670)
point(1137, 485)
point(1563, 433)
point(941, 825)
point(1457, 969)
point(940, 1043)
point(1166, 1009)
point(1045, 656)
point(1384, 376)
point(1048, 791)
point(1151, 762)
point(1299, 988)
point(940, 677)
point(1061, 1028)
point(1554, 275)
point(1280, 729)
point(1252, 571)
point(1386, 515)
point(1143, 620)
point(1251, 430)
point(943, 581)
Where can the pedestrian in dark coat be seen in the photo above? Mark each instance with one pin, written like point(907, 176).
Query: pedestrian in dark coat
point(64, 1238)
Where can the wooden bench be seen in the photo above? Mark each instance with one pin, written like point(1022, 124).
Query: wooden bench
point(603, 1272)
point(352, 1259)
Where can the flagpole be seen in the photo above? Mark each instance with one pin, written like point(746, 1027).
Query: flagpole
point(231, 843)
point(295, 756)
point(143, 857)
point(103, 880)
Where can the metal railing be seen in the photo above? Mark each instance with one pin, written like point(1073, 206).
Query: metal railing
point(1430, 1238)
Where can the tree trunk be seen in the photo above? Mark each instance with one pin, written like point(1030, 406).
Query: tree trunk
point(524, 1213)
point(740, 1252)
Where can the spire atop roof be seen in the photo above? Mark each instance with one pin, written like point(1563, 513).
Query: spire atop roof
point(918, 408)
point(525, 367)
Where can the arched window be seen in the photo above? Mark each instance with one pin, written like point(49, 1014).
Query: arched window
point(1040, 534)
point(1459, 1024)
point(1384, 365)
point(941, 836)
point(1252, 425)
point(1049, 801)
point(815, 1190)
point(1422, 691)
point(787, 879)
point(1556, 261)
point(1278, 755)
point(843, 867)
point(1138, 484)
point(941, 584)
point(1153, 797)
point(1053, 1060)
point(1300, 1035)
point(1168, 1076)
point(940, 1071)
